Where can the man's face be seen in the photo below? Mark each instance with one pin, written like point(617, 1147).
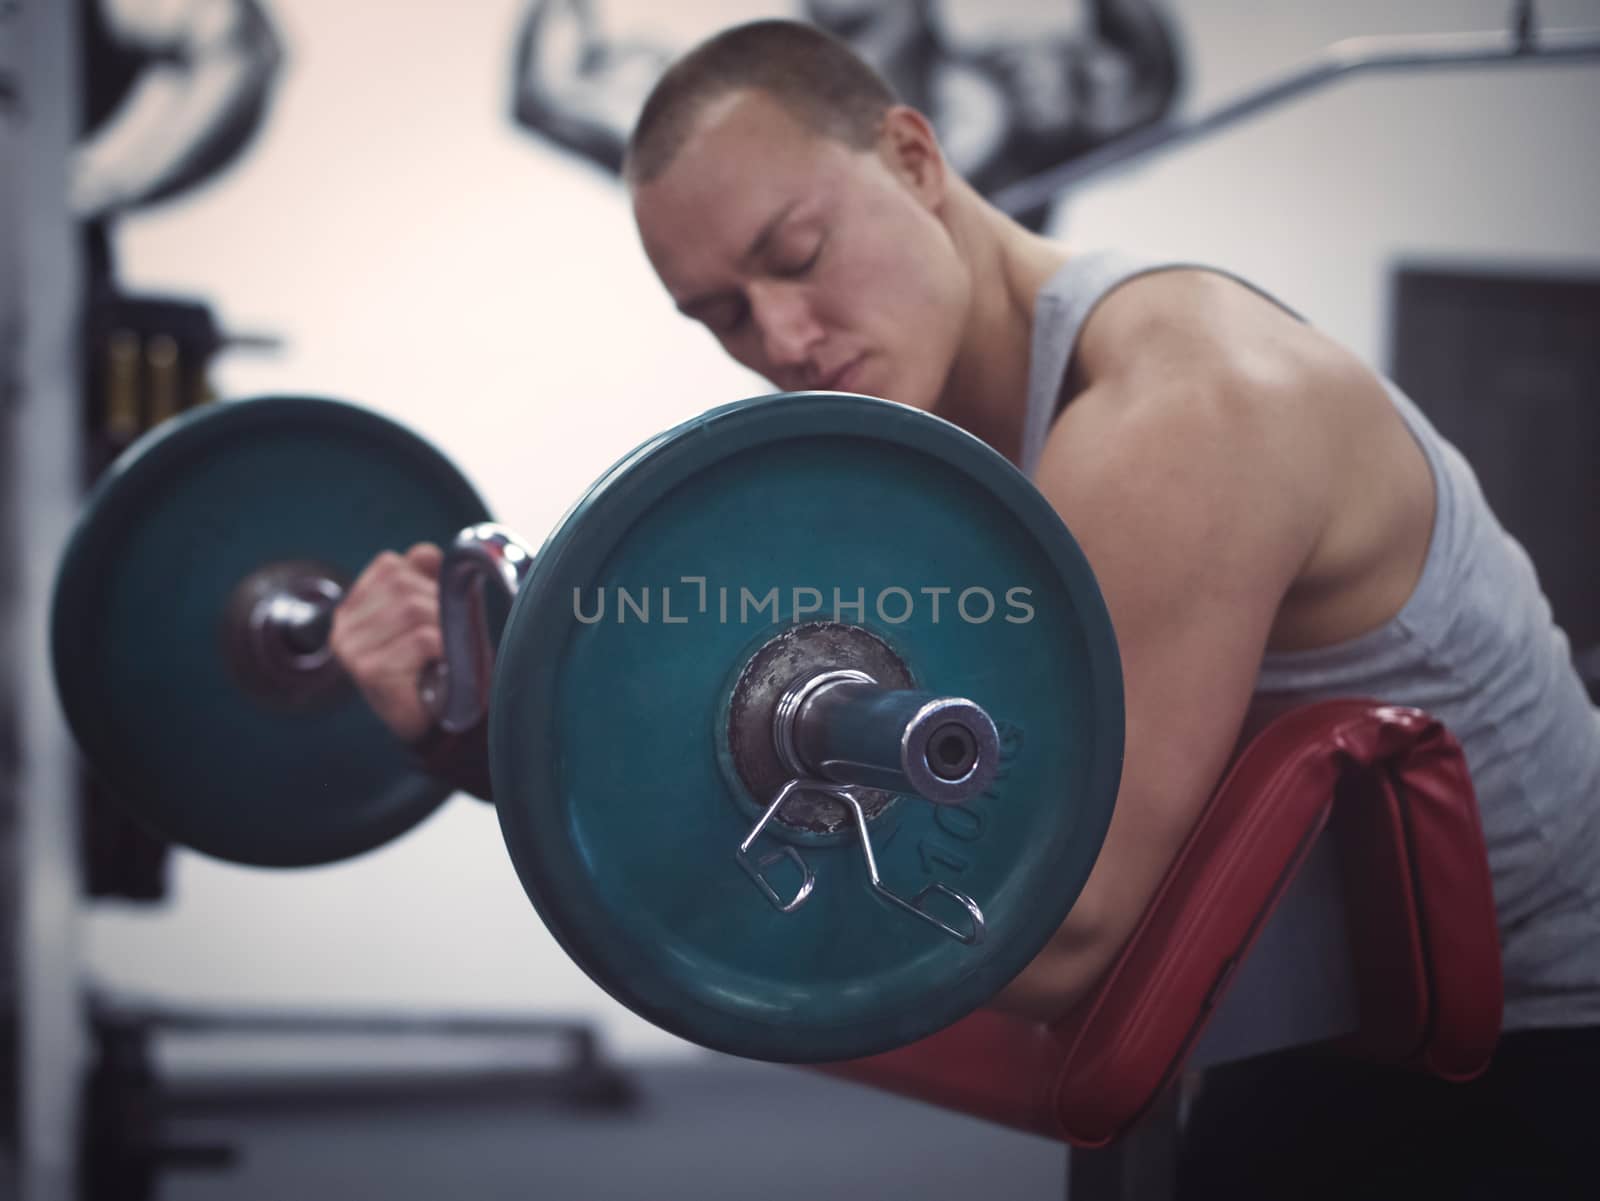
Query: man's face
point(815, 264)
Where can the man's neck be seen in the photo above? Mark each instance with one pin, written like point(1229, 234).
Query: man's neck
point(987, 389)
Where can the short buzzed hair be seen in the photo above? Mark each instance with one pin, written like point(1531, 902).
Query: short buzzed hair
point(817, 78)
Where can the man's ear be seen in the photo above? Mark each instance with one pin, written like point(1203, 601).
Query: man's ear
point(910, 149)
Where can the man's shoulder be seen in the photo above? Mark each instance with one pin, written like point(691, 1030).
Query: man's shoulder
point(1182, 319)
point(1246, 406)
point(1204, 356)
point(1201, 407)
point(1215, 414)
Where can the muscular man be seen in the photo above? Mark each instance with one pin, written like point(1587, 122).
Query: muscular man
point(1269, 521)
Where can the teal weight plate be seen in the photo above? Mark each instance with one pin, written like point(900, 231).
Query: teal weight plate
point(611, 689)
point(138, 639)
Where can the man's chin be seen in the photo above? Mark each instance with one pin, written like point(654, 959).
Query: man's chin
point(868, 379)
point(911, 397)
point(868, 382)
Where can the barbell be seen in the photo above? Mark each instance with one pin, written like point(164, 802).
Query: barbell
point(804, 725)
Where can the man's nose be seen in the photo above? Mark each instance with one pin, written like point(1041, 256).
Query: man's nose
point(789, 329)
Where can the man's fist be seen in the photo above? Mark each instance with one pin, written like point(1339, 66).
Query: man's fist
point(386, 629)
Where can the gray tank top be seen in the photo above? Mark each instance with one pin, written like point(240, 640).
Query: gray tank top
point(1475, 646)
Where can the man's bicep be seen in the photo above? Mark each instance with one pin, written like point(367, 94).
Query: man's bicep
point(1195, 519)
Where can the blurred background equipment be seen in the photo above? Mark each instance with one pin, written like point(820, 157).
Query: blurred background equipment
point(172, 95)
point(1521, 43)
point(139, 1115)
point(145, 360)
point(39, 483)
point(13, 601)
point(260, 752)
point(206, 726)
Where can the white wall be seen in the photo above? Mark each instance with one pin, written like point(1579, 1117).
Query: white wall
point(423, 256)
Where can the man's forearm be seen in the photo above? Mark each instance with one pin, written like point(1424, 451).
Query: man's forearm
point(1058, 978)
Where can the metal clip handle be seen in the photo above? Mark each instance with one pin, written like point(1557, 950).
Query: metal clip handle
point(971, 936)
point(753, 869)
